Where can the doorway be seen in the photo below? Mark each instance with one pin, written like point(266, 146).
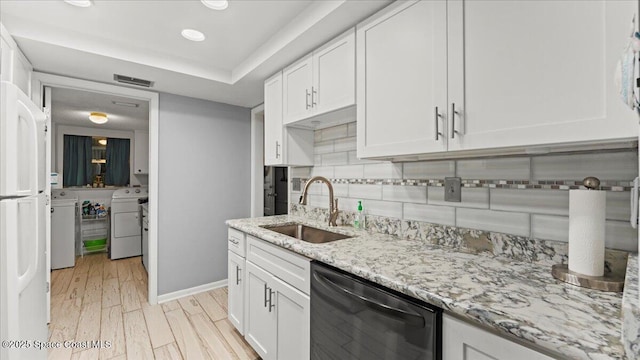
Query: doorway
point(41, 81)
point(276, 197)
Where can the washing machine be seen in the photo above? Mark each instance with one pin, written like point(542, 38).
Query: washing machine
point(126, 223)
point(64, 220)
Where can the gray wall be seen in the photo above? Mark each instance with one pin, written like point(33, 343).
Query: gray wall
point(204, 179)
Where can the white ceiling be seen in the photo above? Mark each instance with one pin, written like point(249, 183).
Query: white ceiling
point(246, 43)
point(72, 107)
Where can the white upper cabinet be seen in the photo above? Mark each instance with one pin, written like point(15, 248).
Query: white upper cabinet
point(504, 75)
point(141, 152)
point(273, 120)
point(334, 74)
point(14, 66)
point(525, 73)
point(283, 146)
point(401, 79)
point(321, 82)
point(298, 90)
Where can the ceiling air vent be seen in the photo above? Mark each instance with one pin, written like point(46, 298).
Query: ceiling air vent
point(132, 81)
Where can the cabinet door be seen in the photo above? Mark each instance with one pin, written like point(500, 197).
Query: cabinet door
point(293, 318)
point(297, 81)
point(261, 327)
point(236, 275)
point(461, 341)
point(273, 120)
point(141, 152)
point(63, 249)
point(334, 74)
point(401, 77)
point(536, 72)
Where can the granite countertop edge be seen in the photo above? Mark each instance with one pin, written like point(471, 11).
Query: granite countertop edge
point(506, 321)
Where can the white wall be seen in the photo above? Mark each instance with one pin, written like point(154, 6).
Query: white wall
point(204, 179)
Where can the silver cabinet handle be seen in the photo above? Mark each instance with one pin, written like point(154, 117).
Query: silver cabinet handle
point(266, 301)
point(453, 120)
point(438, 133)
point(277, 150)
point(234, 241)
point(314, 92)
point(271, 305)
point(237, 275)
point(306, 91)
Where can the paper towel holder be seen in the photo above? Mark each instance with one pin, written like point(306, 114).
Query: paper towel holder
point(610, 281)
point(591, 183)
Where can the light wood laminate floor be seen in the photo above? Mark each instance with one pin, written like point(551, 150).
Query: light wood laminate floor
point(101, 299)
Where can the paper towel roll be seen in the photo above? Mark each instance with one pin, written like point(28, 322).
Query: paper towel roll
point(587, 231)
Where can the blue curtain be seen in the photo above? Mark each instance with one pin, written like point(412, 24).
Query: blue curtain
point(117, 172)
point(77, 169)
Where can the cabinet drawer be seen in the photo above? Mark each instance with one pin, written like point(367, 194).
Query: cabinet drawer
point(289, 267)
point(236, 241)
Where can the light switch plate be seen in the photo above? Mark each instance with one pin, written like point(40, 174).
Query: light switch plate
point(452, 189)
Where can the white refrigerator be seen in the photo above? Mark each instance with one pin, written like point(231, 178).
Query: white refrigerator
point(23, 270)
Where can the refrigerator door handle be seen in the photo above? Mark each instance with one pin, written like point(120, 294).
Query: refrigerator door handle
point(25, 113)
point(25, 278)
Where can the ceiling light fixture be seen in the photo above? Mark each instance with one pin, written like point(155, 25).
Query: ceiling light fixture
point(102, 142)
point(193, 35)
point(122, 103)
point(98, 118)
point(79, 3)
point(216, 4)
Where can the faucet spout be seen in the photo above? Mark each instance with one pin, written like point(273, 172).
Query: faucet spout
point(333, 203)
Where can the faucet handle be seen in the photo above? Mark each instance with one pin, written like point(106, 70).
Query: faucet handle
point(335, 207)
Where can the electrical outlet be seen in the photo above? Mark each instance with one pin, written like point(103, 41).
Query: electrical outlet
point(452, 192)
point(295, 186)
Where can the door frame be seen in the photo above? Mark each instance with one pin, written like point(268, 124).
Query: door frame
point(257, 161)
point(40, 80)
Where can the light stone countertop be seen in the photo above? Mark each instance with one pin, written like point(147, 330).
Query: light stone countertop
point(517, 299)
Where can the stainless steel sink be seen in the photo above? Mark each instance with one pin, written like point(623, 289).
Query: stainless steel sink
point(307, 233)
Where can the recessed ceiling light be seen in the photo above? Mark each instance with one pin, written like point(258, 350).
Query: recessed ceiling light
point(79, 3)
point(98, 118)
point(193, 35)
point(216, 4)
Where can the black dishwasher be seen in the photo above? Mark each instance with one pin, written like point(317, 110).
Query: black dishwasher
point(352, 318)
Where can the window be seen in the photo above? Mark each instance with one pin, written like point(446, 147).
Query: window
point(96, 161)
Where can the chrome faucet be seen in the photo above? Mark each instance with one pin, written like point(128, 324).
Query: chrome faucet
point(333, 203)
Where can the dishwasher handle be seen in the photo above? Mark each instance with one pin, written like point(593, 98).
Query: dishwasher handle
point(412, 319)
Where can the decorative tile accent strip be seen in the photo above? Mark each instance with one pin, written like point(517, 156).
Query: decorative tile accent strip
point(492, 184)
point(502, 245)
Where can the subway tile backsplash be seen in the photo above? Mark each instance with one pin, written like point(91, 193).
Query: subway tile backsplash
point(525, 196)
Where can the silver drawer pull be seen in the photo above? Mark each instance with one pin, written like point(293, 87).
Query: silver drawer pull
point(437, 116)
point(453, 121)
point(234, 241)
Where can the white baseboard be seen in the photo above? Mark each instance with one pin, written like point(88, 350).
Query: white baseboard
point(191, 291)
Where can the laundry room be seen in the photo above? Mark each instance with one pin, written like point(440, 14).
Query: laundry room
point(99, 176)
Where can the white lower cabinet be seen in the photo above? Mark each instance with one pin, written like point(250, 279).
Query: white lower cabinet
point(277, 324)
point(236, 271)
point(268, 298)
point(462, 341)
